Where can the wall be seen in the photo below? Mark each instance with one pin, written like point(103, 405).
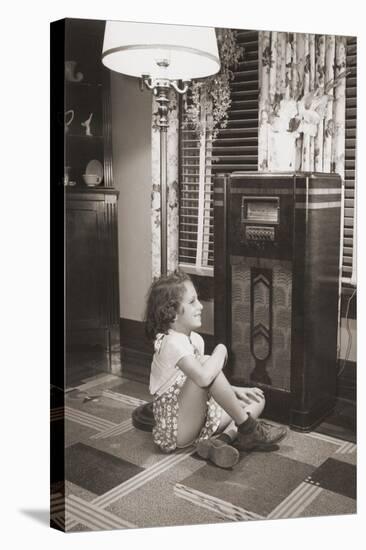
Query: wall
point(131, 138)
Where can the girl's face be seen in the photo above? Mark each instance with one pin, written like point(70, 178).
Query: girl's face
point(189, 316)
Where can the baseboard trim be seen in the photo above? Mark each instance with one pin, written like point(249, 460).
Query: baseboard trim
point(132, 335)
point(135, 365)
point(136, 350)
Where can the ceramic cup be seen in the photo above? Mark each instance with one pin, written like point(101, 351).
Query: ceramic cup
point(92, 179)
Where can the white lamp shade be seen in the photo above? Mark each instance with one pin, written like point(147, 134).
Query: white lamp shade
point(184, 52)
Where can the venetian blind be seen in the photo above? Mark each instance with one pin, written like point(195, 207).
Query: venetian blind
point(195, 190)
point(350, 161)
point(235, 148)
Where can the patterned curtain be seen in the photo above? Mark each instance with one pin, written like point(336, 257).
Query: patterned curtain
point(301, 102)
point(172, 191)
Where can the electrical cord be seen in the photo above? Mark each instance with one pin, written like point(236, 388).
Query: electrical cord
point(349, 344)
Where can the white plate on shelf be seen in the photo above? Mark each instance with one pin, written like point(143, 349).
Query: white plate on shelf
point(94, 167)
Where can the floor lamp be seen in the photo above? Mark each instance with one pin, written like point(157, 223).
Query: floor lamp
point(162, 56)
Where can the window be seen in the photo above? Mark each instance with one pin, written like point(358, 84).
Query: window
point(196, 199)
point(235, 148)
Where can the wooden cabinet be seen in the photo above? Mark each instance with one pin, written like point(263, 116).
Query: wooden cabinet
point(80, 137)
point(84, 252)
point(92, 297)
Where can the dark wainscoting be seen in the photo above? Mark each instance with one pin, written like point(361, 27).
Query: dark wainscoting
point(132, 335)
point(137, 351)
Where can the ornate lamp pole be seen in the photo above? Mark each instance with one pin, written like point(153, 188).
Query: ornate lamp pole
point(160, 89)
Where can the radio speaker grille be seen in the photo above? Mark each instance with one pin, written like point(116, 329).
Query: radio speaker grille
point(261, 321)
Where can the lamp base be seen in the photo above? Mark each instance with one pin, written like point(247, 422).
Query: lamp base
point(143, 417)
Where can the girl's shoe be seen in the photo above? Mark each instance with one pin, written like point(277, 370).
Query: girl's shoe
point(258, 435)
point(219, 452)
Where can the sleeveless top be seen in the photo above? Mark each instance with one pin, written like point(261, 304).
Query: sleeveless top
point(168, 350)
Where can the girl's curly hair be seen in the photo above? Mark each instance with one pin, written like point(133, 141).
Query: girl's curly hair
point(163, 301)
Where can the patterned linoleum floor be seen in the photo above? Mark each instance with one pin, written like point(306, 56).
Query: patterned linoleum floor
point(116, 478)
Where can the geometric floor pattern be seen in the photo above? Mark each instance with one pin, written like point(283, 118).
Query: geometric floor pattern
point(115, 478)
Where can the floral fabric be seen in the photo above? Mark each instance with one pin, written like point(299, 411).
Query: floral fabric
point(301, 102)
point(165, 409)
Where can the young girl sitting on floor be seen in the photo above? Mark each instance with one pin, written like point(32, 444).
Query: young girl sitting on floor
point(193, 399)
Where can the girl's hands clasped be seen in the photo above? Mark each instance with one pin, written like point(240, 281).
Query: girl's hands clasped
point(248, 395)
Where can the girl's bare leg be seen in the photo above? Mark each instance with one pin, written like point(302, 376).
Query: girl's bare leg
point(192, 402)
point(192, 407)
